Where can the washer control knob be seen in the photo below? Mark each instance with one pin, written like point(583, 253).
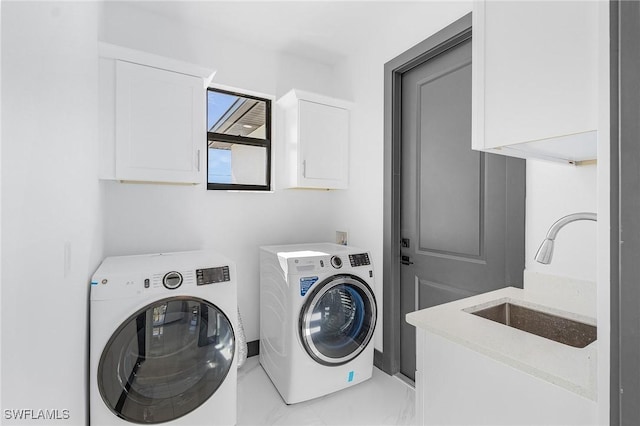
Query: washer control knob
point(336, 262)
point(172, 280)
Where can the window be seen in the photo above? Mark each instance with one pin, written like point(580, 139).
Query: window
point(238, 141)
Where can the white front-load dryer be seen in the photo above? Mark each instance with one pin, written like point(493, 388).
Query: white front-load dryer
point(317, 317)
point(162, 343)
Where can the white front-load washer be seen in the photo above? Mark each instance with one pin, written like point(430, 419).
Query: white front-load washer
point(162, 342)
point(317, 317)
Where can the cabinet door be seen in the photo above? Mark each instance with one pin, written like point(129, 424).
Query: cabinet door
point(535, 70)
point(323, 145)
point(160, 125)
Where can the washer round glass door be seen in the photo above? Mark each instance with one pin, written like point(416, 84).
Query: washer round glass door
point(166, 360)
point(338, 319)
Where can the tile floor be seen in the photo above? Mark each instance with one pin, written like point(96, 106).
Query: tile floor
point(382, 400)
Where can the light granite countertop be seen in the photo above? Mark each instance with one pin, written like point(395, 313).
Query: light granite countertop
point(563, 365)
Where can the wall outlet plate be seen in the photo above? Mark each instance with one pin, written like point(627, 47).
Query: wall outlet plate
point(341, 238)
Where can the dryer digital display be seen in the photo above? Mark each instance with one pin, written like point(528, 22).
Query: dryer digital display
point(360, 259)
point(213, 275)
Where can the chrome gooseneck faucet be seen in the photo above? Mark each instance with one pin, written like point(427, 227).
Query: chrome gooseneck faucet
point(545, 251)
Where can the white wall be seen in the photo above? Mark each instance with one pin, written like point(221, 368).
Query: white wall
point(154, 218)
point(51, 222)
point(555, 190)
point(238, 64)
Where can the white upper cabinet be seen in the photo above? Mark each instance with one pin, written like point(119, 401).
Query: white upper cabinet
point(153, 118)
point(535, 79)
point(314, 133)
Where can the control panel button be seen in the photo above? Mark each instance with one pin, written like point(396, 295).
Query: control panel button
point(147, 283)
point(336, 262)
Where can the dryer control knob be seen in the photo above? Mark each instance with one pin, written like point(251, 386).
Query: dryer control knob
point(172, 280)
point(336, 262)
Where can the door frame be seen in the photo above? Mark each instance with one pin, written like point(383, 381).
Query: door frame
point(445, 39)
point(624, 393)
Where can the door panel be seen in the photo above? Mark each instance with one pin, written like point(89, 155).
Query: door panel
point(454, 206)
point(431, 294)
point(440, 160)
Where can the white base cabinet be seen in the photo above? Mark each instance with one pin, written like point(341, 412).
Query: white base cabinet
point(314, 134)
point(153, 118)
point(535, 78)
point(458, 386)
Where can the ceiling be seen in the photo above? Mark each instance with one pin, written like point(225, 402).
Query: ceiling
point(326, 31)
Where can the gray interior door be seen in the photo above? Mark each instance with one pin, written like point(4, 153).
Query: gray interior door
point(461, 211)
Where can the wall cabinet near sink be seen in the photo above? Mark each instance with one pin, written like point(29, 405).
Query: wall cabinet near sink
point(535, 79)
point(314, 134)
point(152, 117)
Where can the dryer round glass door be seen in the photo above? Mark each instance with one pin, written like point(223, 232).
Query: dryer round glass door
point(166, 360)
point(338, 319)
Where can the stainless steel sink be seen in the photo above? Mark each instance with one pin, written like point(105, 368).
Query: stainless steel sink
point(559, 329)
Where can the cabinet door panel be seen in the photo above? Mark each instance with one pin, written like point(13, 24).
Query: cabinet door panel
point(159, 124)
point(324, 132)
point(536, 78)
point(545, 74)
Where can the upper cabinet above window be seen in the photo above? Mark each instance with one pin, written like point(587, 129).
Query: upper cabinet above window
point(535, 79)
point(153, 118)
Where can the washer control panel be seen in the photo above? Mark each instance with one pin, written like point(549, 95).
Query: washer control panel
point(360, 259)
point(212, 275)
point(318, 263)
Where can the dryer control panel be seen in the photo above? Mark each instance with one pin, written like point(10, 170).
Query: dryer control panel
point(121, 277)
point(360, 259)
point(212, 275)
